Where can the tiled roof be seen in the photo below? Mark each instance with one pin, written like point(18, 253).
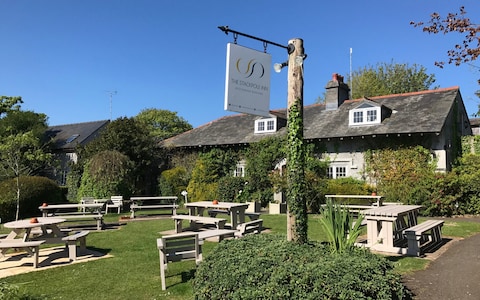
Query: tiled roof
point(71, 135)
point(419, 112)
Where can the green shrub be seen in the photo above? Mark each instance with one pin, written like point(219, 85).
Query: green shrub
point(34, 190)
point(13, 292)
point(348, 186)
point(456, 192)
point(269, 267)
point(172, 182)
point(229, 188)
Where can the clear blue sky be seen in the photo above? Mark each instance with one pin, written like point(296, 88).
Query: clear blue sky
point(64, 56)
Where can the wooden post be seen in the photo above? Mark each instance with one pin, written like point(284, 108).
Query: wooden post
point(296, 204)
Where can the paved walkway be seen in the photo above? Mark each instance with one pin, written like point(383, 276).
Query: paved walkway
point(19, 263)
point(454, 275)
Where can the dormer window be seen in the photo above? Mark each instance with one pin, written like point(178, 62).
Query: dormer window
point(266, 125)
point(365, 114)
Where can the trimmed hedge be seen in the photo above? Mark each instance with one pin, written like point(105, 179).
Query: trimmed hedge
point(267, 266)
point(34, 190)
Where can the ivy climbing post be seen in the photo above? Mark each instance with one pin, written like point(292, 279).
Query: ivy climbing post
point(296, 203)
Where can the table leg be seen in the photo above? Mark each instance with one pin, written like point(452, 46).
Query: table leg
point(233, 217)
point(372, 232)
point(241, 215)
point(387, 233)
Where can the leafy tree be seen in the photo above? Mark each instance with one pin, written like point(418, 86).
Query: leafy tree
point(8, 104)
point(163, 124)
point(468, 49)
point(22, 150)
point(22, 135)
point(107, 173)
point(132, 138)
point(389, 78)
point(403, 174)
point(209, 168)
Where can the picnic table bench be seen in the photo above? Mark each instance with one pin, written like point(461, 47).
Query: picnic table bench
point(71, 243)
point(75, 212)
point(32, 247)
point(426, 233)
point(161, 202)
point(213, 213)
point(194, 220)
point(252, 227)
point(359, 201)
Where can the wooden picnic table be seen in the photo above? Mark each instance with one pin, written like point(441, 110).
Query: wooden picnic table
point(22, 229)
point(385, 226)
point(44, 230)
point(236, 210)
point(75, 211)
point(369, 200)
point(153, 202)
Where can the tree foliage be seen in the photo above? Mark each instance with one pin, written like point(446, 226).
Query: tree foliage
point(209, 168)
point(8, 104)
point(468, 49)
point(389, 78)
point(163, 124)
point(22, 147)
point(107, 173)
point(131, 138)
point(262, 157)
point(401, 174)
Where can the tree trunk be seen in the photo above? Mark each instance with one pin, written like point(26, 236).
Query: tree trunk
point(296, 211)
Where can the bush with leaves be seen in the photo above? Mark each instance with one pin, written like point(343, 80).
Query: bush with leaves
point(209, 168)
point(230, 189)
point(267, 266)
point(348, 186)
point(34, 190)
point(457, 192)
point(13, 292)
point(262, 157)
point(402, 174)
point(173, 181)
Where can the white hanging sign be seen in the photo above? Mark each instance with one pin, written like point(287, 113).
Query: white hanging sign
point(247, 84)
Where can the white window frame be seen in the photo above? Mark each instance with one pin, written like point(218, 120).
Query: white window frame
point(266, 125)
point(239, 169)
point(337, 170)
point(363, 116)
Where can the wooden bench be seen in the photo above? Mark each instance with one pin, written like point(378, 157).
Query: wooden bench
point(178, 247)
point(418, 237)
point(32, 248)
point(194, 220)
point(213, 213)
point(220, 233)
point(252, 227)
point(71, 243)
point(82, 216)
point(139, 203)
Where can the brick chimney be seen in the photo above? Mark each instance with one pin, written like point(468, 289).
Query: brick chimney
point(337, 92)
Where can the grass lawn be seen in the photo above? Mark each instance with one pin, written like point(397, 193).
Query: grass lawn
point(133, 271)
